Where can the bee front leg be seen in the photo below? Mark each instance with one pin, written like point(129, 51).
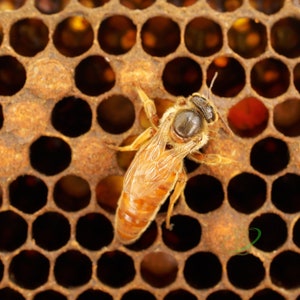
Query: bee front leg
point(210, 159)
point(137, 143)
point(178, 191)
point(149, 107)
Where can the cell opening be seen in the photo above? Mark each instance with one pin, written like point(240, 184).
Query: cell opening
point(246, 192)
point(49, 295)
point(160, 36)
point(93, 3)
point(231, 77)
point(138, 294)
point(180, 294)
point(185, 233)
point(12, 75)
point(269, 155)
point(72, 193)
point(116, 114)
point(115, 269)
point(267, 294)
point(274, 231)
point(287, 117)
point(247, 37)
point(94, 76)
point(137, 4)
point(51, 231)
point(29, 269)
point(270, 77)
point(29, 36)
point(159, 269)
point(72, 269)
point(203, 36)
point(202, 270)
point(182, 76)
point(285, 37)
point(73, 36)
point(245, 272)
point(72, 116)
point(296, 233)
point(10, 294)
point(225, 5)
point(51, 7)
point(108, 191)
point(204, 187)
point(248, 118)
point(117, 34)
point(91, 294)
point(13, 231)
point(285, 270)
point(267, 7)
point(28, 193)
point(223, 295)
point(94, 231)
point(285, 193)
point(50, 155)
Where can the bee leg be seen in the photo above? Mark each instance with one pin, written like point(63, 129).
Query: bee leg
point(149, 107)
point(137, 143)
point(210, 159)
point(178, 191)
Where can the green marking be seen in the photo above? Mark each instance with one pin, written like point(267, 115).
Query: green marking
point(243, 251)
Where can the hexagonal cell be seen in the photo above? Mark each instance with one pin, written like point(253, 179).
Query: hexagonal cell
point(115, 268)
point(182, 76)
point(270, 77)
point(247, 37)
point(28, 193)
point(236, 267)
point(269, 155)
point(160, 36)
point(285, 270)
point(268, 7)
point(72, 116)
point(159, 269)
point(248, 118)
point(117, 34)
point(29, 269)
point(230, 79)
point(116, 114)
point(94, 75)
point(13, 75)
point(225, 5)
point(93, 3)
point(51, 230)
point(287, 117)
point(50, 7)
point(72, 193)
point(72, 269)
point(203, 36)
point(50, 155)
point(29, 36)
point(73, 36)
point(202, 270)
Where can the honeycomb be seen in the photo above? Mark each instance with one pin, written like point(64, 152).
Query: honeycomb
point(68, 71)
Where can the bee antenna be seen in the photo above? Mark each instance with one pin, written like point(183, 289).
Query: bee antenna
point(211, 85)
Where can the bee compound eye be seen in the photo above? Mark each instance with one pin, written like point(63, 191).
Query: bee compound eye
point(206, 109)
point(187, 123)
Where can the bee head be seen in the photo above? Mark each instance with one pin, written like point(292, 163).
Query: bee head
point(203, 105)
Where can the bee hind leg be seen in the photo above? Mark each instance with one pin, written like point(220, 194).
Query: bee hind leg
point(149, 107)
point(178, 191)
point(210, 158)
point(137, 143)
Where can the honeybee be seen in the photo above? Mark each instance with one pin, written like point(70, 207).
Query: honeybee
point(157, 170)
